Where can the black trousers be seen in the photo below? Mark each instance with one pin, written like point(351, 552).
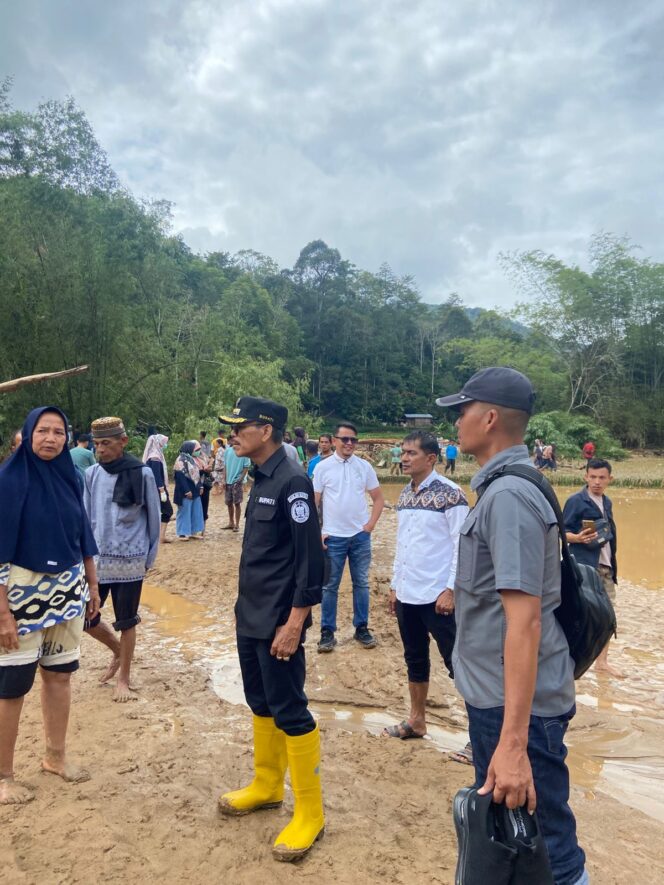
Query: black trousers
point(416, 623)
point(205, 501)
point(126, 598)
point(275, 688)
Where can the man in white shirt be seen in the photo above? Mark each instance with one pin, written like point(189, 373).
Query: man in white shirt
point(430, 512)
point(340, 485)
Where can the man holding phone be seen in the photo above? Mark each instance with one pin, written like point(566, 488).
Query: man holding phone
point(591, 534)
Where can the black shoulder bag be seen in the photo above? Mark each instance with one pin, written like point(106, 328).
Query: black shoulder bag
point(585, 612)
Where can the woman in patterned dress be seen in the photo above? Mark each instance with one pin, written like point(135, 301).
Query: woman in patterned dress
point(48, 583)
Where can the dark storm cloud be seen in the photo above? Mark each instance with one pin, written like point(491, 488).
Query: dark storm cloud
point(431, 136)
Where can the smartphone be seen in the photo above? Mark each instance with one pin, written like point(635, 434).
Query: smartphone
point(587, 524)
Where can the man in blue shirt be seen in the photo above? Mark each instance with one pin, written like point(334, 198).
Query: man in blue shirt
point(236, 471)
point(324, 451)
point(451, 453)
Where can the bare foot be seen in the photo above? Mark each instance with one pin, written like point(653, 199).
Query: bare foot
point(13, 793)
point(69, 772)
point(123, 693)
point(111, 670)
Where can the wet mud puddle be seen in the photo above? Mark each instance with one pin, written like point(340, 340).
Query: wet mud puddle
point(622, 756)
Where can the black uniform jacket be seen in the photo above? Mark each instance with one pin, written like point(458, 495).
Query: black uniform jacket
point(283, 561)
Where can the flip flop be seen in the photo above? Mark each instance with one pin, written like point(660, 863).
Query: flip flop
point(403, 731)
point(464, 757)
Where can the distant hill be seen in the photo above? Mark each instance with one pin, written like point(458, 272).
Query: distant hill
point(473, 313)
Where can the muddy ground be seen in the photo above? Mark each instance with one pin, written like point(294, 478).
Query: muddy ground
point(159, 762)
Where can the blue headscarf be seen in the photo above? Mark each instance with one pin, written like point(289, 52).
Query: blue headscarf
point(43, 524)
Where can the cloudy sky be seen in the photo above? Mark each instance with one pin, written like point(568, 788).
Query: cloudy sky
point(431, 135)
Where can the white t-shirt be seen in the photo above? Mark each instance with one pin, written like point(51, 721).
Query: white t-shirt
point(605, 549)
point(343, 484)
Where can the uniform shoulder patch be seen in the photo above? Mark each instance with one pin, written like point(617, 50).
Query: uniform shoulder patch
point(299, 510)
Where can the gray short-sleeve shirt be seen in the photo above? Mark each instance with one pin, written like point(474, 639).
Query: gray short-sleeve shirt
point(509, 541)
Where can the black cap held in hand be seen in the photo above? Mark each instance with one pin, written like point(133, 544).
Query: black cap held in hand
point(257, 409)
point(499, 386)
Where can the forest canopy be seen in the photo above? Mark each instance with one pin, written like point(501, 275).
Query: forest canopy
point(89, 274)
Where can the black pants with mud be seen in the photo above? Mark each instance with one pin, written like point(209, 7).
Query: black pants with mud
point(275, 688)
point(126, 596)
point(416, 624)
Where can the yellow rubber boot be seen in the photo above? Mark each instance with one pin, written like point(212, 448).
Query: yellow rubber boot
point(270, 763)
point(308, 823)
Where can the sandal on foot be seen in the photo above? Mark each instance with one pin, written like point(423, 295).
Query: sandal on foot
point(403, 731)
point(464, 757)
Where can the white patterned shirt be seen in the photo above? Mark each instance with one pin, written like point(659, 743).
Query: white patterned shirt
point(428, 539)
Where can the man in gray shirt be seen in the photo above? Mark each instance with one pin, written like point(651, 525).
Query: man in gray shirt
point(511, 659)
point(122, 503)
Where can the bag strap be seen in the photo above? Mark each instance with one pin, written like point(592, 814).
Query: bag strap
point(537, 479)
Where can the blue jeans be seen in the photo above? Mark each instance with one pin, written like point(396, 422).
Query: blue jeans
point(189, 520)
point(357, 549)
point(547, 752)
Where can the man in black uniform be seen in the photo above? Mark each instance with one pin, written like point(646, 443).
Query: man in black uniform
point(281, 578)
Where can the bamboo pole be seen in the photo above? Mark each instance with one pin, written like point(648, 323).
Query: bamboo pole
point(8, 386)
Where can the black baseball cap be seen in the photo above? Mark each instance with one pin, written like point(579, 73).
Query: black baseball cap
point(258, 409)
point(497, 385)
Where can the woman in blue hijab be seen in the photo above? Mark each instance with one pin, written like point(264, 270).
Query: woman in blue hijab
point(48, 584)
point(189, 522)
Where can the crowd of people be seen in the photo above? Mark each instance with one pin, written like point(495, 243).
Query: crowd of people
point(544, 455)
point(484, 583)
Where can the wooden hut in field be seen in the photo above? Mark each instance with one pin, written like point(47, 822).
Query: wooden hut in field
point(417, 419)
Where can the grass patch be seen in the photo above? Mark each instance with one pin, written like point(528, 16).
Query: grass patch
point(564, 480)
point(566, 477)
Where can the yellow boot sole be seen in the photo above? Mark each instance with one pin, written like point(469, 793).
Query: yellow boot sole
point(289, 855)
point(230, 810)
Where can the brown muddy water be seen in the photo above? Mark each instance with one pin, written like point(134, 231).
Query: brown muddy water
point(639, 515)
point(620, 755)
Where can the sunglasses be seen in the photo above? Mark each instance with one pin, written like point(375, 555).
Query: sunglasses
point(348, 440)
